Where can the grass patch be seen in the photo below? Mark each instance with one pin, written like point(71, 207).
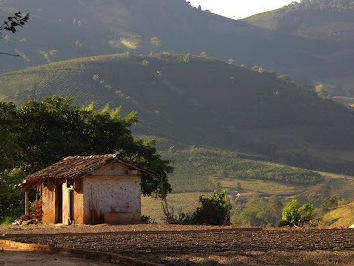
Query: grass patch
point(185, 202)
point(259, 186)
point(6, 221)
point(343, 216)
point(206, 169)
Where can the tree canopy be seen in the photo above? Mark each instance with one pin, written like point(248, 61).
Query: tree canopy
point(40, 133)
point(338, 5)
point(294, 215)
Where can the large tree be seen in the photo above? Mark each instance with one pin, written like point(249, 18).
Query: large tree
point(9, 150)
point(41, 133)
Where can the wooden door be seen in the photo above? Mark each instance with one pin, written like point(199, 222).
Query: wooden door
point(72, 206)
point(59, 204)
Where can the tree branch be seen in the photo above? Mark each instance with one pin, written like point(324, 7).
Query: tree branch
point(1, 53)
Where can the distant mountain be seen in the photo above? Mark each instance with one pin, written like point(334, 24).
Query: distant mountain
point(323, 29)
point(311, 41)
point(203, 101)
point(74, 28)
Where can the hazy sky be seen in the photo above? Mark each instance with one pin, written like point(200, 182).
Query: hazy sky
point(239, 8)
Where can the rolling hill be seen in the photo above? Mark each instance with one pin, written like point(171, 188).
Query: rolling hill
point(203, 101)
point(222, 125)
point(200, 170)
point(343, 216)
point(311, 41)
point(330, 25)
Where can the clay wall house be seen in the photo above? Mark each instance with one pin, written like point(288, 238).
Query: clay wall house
point(88, 190)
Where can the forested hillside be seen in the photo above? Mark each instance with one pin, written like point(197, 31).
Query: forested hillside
point(325, 30)
point(311, 41)
point(203, 101)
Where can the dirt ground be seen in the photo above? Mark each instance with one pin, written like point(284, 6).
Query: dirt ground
point(14, 258)
point(102, 228)
point(193, 245)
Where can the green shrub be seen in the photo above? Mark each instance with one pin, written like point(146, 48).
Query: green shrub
point(215, 210)
point(306, 213)
point(11, 200)
point(260, 212)
point(283, 223)
point(147, 219)
point(6, 221)
point(172, 218)
point(293, 215)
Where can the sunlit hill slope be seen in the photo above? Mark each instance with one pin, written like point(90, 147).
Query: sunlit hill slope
point(198, 100)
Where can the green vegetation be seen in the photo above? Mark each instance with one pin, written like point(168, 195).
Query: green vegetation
point(325, 20)
point(329, 204)
point(180, 202)
point(259, 212)
point(250, 111)
point(11, 201)
point(40, 133)
point(165, 92)
point(323, 29)
point(342, 216)
point(264, 201)
point(342, 186)
point(294, 215)
point(204, 169)
point(253, 211)
point(340, 6)
point(194, 100)
point(335, 212)
point(315, 36)
point(215, 209)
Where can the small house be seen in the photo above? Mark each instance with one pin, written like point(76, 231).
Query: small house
point(88, 190)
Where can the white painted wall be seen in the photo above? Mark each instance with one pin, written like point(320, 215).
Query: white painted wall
point(112, 189)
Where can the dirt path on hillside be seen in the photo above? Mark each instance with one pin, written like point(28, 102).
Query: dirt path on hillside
point(218, 246)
